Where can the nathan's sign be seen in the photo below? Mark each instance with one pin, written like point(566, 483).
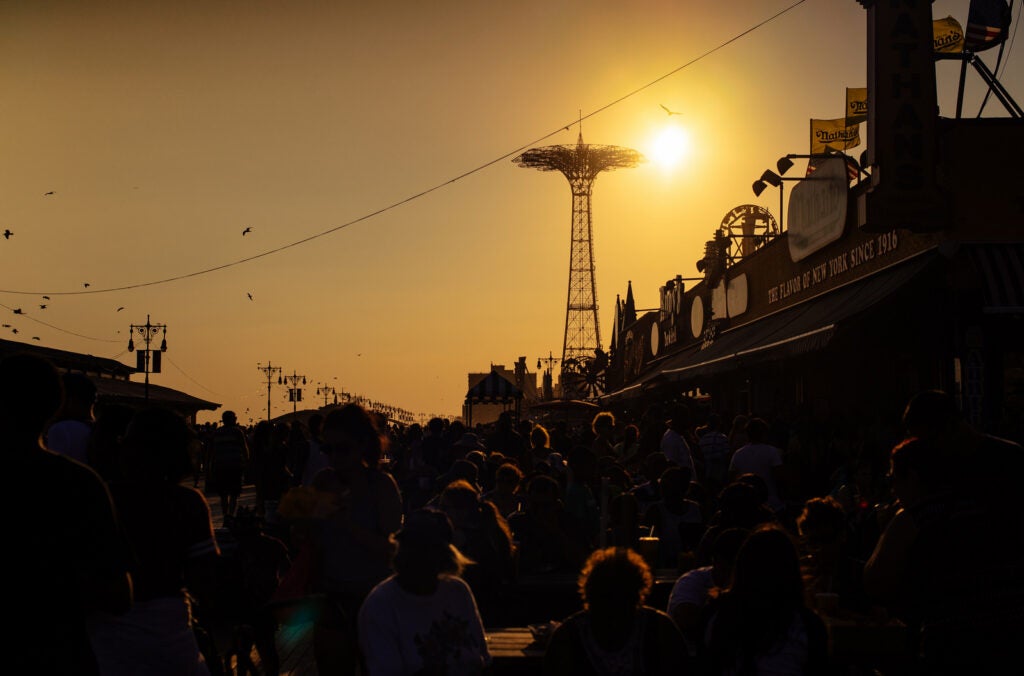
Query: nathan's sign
point(902, 120)
point(817, 209)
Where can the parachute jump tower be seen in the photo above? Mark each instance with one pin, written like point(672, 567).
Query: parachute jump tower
point(583, 361)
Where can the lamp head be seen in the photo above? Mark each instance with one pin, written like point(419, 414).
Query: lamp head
point(759, 187)
point(131, 345)
point(784, 164)
point(771, 178)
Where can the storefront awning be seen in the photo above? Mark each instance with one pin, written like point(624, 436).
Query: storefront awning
point(806, 327)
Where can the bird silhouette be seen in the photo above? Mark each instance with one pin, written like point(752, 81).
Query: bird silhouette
point(14, 330)
point(42, 306)
point(85, 284)
point(249, 295)
point(670, 112)
point(6, 326)
point(120, 308)
point(7, 234)
point(18, 311)
point(46, 298)
point(35, 337)
point(246, 231)
point(47, 193)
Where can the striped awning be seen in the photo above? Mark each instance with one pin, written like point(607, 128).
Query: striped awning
point(494, 389)
point(1000, 271)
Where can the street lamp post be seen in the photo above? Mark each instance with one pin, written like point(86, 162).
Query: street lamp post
point(269, 372)
point(294, 391)
point(326, 391)
point(148, 360)
point(547, 385)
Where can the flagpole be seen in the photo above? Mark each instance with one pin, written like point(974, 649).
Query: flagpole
point(964, 56)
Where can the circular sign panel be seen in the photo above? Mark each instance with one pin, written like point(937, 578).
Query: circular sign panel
point(697, 317)
point(655, 339)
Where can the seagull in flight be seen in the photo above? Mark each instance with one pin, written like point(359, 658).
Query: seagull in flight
point(120, 308)
point(18, 311)
point(14, 330)
point(7, 234)
point(670, 112)
point(46, 298)
point(42, 306)
point(249, 295)
point(47, 193)
point(246, 231)
point(6, 326)
point(35, 337)
point(85, 284)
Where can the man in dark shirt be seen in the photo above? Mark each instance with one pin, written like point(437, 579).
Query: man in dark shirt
point(229, 454)
point(67, 549)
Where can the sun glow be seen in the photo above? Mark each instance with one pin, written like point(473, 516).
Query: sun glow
point(668, 147)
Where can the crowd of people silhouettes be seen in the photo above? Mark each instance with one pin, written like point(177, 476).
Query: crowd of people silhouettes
point(405, 542)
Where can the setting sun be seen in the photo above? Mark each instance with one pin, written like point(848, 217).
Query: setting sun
point(669, 146)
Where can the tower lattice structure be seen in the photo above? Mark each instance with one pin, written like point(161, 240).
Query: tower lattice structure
point(583, 361)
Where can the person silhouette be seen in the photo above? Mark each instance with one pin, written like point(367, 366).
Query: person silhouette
point(615, 626)
point(70, 558)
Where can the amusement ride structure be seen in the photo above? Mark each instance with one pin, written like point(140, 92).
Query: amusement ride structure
point(583, 361)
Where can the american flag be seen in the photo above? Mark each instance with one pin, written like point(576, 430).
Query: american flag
point(852, 171)
point(988, 22)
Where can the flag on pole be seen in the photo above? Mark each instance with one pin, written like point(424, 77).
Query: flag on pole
point(988, 22)
point(856, 105)
point(948, 37)
point(852, 170)
point(836, 134)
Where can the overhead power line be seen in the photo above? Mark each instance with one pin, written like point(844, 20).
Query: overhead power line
point(395, 205)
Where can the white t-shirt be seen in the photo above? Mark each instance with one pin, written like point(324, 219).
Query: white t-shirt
point(675, 448)
point(401, 633)
point(760, 459)
point(692, 587)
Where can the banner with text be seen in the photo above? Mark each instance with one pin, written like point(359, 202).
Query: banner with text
point(856, 105)
point(948, 38)
point(835, 134)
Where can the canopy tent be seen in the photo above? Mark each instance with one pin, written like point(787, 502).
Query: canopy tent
point(494, 389)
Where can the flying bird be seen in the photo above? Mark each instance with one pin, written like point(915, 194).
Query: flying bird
point(249, 295)
point(246, 231)
point(7, 234)
point(47, 193)
point(670, 112)
point(85, 284)
point(18, 311)
point(35, 337)
point(46, 298)
point(42, 306)
point(14, 330)
point(120, 308)
point(6, 326)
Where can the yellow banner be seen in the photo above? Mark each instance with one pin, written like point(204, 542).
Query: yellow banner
point(948, 36)
point(856, 105)
point(829, 135)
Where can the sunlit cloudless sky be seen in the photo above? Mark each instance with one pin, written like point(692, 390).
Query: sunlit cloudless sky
point(165, 129)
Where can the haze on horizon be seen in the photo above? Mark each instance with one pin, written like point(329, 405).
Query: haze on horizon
point(164, 130)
